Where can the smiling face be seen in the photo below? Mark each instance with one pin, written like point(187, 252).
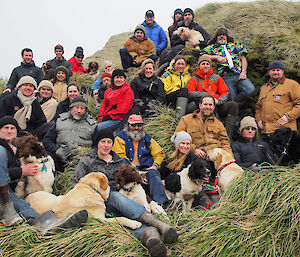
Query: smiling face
point(149, 20)
point(207, 107)
point(184, 146)
point(58, 53)
point(149, 70)
point(61, 76)
point(139, 35)
point(222, 39)
point(45, 92)
point(8, 132)
point(109, 67)
point(104, 147)
point(72, 92)
point(106, 81)
point(180, 65)
point(78, 111)
point(27, 57)
point(205, 66)
point(27, 89)
point(276, 74)
point(119, 81)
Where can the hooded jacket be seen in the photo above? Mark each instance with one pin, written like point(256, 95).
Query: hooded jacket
point(77, 68)
point(174, 80)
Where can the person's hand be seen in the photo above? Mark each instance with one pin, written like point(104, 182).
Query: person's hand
point(7, 90)
point(221, 59)
point(185, 35)
point(243, 75)
point(200, 153)
point(30, 169)
point(283, 120)
point(143, 174)
point(164, 183)
point(194, 42)
point(153, 167)
point(260, 124)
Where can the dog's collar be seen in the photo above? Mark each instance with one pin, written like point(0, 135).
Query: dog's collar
point(225, 165)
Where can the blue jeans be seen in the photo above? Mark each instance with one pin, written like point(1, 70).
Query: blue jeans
point(156, 188)
point(22, 207)
point(109, 124)
point(236, 86)
point(120, 205)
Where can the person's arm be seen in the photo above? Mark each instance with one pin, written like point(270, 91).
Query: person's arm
point(294, 93)
point(119, 148)
point(192, 85)
point(49, 140)
point(97, 83)
point(13, 80)
point(102, 108)
point(223, 91)
point(163, 41)
point(161, 95)
point(243, 74)
point(69, 68)
point(258, 112)
point(157, 153)
point(40, 75)
point(176, 40)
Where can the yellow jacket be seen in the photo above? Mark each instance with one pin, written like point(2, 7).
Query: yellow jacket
point(173, 80)
point(277, 100)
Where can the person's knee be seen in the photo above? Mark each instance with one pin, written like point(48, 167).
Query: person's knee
point(123, 51)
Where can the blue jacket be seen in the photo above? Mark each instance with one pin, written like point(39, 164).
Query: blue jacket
point(149, 151)
point(157, 35)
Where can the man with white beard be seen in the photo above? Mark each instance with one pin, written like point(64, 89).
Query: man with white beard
point(139, 149)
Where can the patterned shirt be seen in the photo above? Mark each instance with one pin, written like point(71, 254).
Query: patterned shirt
point(235, 49)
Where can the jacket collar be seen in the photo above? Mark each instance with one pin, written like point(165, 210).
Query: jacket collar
point(202, 74)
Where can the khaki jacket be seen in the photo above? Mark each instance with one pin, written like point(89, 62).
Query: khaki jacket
point(205, 135)
point(140, 50)
point(277, 100)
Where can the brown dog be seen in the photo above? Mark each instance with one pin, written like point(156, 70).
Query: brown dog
point(89, 194)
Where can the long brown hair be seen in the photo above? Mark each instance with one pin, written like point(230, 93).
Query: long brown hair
point(177, 159)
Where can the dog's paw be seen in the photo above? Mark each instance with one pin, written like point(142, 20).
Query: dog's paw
point(135, 224)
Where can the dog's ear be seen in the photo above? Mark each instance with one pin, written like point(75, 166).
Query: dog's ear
point(173, 183)
point(219, 159)
point(102, 181)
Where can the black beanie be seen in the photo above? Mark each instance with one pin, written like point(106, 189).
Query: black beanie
point(188, 10)
point(79, 52)
point(9, 120)
point(100, 134)
point(117, 72)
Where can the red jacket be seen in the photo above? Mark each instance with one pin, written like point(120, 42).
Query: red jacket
point(117, 102)
point(211, 83)
point(77, 68)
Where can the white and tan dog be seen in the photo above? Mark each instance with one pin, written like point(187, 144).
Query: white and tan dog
point(193, 35)
point(228, 170)
point(32, 151)
point(89, 194)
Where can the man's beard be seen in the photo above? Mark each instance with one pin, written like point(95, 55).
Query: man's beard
point(78, 116)
point(133, 135)
point(222, 42)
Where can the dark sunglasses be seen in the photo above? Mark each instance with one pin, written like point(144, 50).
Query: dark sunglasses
point(252, 128)
point(139, 125)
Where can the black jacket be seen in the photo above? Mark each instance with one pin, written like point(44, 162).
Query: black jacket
point(25, 69)
point(55, 63)
point(63, 106)
point(247, 153)
point(176, 40)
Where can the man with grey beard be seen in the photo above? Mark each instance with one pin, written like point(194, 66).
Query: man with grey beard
point(73, 128)
point(139, 149)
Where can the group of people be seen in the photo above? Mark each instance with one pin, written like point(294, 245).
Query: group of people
point(208, 106)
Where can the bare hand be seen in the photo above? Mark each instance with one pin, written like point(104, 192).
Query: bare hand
point(143, 174)
point(185, 35)
point(200, 153)
point(283, 120)
point(30, 169)
point(221, 59)
point(194, 42)
point(243, 75)
point(164, 183)
point(260, 124)
point(153, 167)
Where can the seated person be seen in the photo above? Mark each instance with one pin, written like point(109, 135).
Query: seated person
point(117, 103)
point(249, 152)
point(47, 102)
point(177, 17)
point(73, 127)
point(105, 84)
point(59, 60)
point(109, 67)
point(206, 82)
point(103, 159)
point(76, 61)
point(23, 106)
point(148, 89)
point(138, 148)
point(93, 70)
point(137, 49)
point(60, 83)
point(175, 80)
point(72, 92)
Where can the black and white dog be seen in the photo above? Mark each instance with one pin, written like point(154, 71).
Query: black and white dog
point(185, 185)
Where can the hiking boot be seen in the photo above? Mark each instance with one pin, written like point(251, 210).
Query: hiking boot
point(150, 238)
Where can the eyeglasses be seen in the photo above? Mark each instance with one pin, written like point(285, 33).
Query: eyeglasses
point(139, 125)
point(252, 128)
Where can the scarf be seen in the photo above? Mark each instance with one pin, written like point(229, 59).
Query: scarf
point(24, 114)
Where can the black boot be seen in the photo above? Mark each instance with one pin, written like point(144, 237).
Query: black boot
point(231, 125)
point(150, 238)
point(47, 223)
point(169, 234)
point(8, 214)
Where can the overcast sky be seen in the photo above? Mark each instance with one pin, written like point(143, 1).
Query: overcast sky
point(41, 24)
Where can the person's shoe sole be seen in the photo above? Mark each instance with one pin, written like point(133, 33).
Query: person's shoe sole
point(170, 236)
point(156, 248)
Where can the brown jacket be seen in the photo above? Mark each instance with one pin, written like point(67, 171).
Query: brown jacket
point(140, 50)
point(277, 100)
point(205, 135)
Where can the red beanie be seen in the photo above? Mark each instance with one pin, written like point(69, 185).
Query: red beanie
point(106, 74)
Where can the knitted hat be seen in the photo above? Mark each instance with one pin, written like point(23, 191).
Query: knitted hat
point(204, 57)
point(178, 137)
point(276, 65)
point(8, 120)
point(117, 72)
point(178, 10)
point(149, 13)
point(79, 52)
point(140, 27)
point(25, 80)
point(218, 32)
point(46, 83)
point(188, 10)
point(247, 121)
point(134, 119)
point(100, 134)
point(105, 74)
point(63, 69)
point(78, 100)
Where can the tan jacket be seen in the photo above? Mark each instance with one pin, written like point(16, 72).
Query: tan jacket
point(140, 51)
point(60, 91)
point(49, 109)
point(277, 100)
point(205, 135)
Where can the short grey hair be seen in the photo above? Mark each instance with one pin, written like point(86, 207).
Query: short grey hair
point(108, 62)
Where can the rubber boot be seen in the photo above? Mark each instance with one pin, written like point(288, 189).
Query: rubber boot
point(231, 125)
point(8, 214)
point(181, 104)
point(150, 238)
point(47, 223)
point(169, 234)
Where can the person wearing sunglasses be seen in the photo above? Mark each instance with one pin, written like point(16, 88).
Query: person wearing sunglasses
point(76, 61)
point(139, 149)
point(247, 150)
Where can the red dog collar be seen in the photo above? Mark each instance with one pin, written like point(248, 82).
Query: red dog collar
point(225, 165)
